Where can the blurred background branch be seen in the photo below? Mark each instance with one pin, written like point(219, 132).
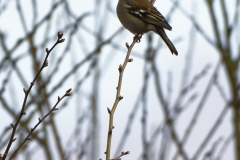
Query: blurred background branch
point(184, 107)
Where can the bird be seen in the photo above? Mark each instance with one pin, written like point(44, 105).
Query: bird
point(140, 16)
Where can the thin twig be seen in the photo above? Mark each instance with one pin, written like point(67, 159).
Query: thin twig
point(200, 106)
point(118, 96)
point(27, 91)
point(122, 154)
point(129, 122)
point(224, 147)
point(167, 117)
point(209, 154)
point(40, 120)
point(211, 132)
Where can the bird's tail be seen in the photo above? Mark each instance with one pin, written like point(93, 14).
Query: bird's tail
point(161, 32)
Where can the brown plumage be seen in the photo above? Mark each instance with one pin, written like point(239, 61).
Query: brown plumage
point(140, 16)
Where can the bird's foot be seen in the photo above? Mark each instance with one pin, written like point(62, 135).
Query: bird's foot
point(137, 38)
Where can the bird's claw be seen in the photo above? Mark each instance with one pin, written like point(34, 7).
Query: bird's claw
point(137, 38)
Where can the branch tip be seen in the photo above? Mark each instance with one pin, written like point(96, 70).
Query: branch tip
point(60, 35)
point(69, 90)
point(109, 111)
point(68, 94)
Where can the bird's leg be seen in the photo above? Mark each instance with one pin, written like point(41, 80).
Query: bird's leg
point(137, 37)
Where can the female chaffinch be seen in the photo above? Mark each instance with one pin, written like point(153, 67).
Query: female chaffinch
point(140, 16)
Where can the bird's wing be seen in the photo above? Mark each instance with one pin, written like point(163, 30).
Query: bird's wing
point(147, 12)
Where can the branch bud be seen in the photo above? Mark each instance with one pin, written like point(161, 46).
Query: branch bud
point(61, 40)
point(69, 90)
point(127, 45)
point(109, 111)
point(68, 94)
point(120, 98)
point(130, 60)
point(46, 63)
point(120, 68)
point(25, 90)
point(12, 126)
point(60, 34)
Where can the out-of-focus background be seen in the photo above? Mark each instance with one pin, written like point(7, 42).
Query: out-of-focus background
point(173, 107)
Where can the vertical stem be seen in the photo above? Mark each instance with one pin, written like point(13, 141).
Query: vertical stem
point(118, 97)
